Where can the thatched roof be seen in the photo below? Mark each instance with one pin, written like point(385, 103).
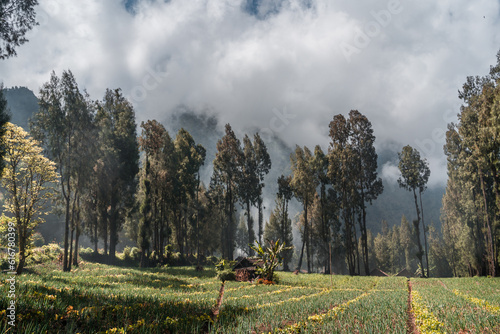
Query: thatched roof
point(378, 272)
point(405, 273)
point(249, 263)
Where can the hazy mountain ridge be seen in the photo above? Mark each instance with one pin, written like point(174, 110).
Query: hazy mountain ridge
point(21, 103)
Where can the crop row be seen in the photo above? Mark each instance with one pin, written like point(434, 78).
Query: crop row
point(439, 309)
point(105, 299)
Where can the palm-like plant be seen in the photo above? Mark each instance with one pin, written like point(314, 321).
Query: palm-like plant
point(270, 256)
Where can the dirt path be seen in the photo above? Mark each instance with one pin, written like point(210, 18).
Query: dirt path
point(411, 327)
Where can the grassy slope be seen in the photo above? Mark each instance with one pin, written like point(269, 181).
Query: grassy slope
point(100, 298)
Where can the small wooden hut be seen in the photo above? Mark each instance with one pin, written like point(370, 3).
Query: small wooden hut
point(378, 272)
point(405, 273)
point(245, 269)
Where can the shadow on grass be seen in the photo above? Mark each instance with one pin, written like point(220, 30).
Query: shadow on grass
point(83, 310)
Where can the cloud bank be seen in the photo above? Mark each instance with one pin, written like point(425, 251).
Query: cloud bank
point(285, 66)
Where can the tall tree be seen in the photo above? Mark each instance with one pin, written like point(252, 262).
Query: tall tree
point(189, 158)
point(226, 173)
point(285, 194)
point(58, 125)
point(17, 18)
point(249, 188)
point(368, 185)
point(405, 240)
point(151, 143)
point(304, 183)
point(414, 175)
point(28, 180)
point(116, 120)
point(263, 166)
point(320, 163)
point(341, 171)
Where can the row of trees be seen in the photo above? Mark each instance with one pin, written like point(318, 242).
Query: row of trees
point(338, 185)
point(471, 204)
point(94, 145)
point(104, 188)
point(238, 175)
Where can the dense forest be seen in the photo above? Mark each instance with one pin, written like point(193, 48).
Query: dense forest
point(181, 200)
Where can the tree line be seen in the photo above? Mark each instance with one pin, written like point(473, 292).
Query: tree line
point(471, 204)
point(105, 178)
point(112, 179)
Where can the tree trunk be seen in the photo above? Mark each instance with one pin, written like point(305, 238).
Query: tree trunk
point(251, 235)
point(306, 237)
point(77, 237)
point(231, 225)
point(105, 237)
point(301, 255)
point(70, 259)
point(364, 236)
point(22, 251)
point(261, 230)
point(96, 239)
point(417, 233)
point(425, 236)
point(66, 235)
point(113, 230)
point(491, 259)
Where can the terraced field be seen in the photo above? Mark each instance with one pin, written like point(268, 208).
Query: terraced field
point(104, 299)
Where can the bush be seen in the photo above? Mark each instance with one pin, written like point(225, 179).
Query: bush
point(212, 260)
point(126, 253)
point(226, 275)
point(86, 251)
point(134, 253)
point(52, 249)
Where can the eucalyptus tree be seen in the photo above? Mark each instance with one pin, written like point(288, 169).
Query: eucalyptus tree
point(342, 171)
point(303, 184)
point(224, 185)
point(189, 158)
point(263, 166)
point(368, 185)
point(285, 194)
point(320, 163)
point(248, 187)
point(472, 200)
point(414, 176)
point(61, 124)
point(17, 18)
point(151, 143)
point(120, 151)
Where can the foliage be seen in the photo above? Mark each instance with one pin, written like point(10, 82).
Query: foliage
point(303, 184)
point(224, 186)
point(18, 17)
point(225, 271)
point(28, 181)
point(63, 125)
point(279, 227)
point(270, 258)
point(472, 200)
point(414, 175)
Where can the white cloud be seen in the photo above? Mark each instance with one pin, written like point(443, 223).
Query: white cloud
point(212, 54)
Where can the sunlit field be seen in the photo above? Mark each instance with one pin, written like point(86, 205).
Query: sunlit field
point(98, 298)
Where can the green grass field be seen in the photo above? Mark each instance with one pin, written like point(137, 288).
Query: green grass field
point(97, 298)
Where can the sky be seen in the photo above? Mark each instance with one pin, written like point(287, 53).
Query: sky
point(283, 66)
